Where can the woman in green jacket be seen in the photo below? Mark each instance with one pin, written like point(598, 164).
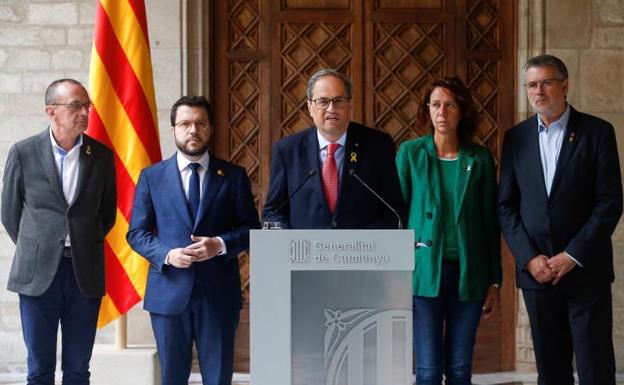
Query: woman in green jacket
point(449, 185)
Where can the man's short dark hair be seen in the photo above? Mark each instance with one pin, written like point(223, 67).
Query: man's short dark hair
point(192, 101)
point(329, 72)
point(548, 61)
point(50, 94)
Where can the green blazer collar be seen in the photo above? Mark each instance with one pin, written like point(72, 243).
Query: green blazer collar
point(465, 159)
point(433, 171)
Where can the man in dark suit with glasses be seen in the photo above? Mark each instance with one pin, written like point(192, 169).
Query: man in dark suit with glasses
point(314, 172)
point(560, 199)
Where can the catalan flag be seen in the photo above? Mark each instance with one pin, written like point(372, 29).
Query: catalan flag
point(123, 117)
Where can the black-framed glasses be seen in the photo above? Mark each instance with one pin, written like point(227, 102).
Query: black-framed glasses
point(186, 124)
point(545, 83)
point(338, 102)
point(74, 106)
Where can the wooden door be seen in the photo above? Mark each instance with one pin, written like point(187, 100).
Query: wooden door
point(265, 51)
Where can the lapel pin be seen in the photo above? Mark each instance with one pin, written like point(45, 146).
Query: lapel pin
point(571, 138)
point(357, 144)
point(353, 157)
point(220, 172)
point(88, 149)
point(468, 168)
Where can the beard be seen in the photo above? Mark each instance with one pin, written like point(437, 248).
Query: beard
point(189, 150)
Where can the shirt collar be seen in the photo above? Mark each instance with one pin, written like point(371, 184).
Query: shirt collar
point(324, 142)
point(561, 123)
point(60, 149)
point(183, 161)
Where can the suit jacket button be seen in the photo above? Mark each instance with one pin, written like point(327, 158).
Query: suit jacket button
point(428, 215)
point(428, 243)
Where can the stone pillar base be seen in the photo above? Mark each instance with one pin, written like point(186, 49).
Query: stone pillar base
point(136, 365)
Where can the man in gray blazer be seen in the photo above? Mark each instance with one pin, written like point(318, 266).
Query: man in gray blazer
point(58, 203)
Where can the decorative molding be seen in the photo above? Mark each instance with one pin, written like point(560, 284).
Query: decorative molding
point(531, 33)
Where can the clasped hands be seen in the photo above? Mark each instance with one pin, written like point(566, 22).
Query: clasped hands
point(545, 269)
point(202, 248)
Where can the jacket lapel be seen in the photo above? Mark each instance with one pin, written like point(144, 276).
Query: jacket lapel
point(215, 175)
point(352, 154)
point(465, 161)
point(85, 161)
point(176, 192)
point(532, 150)
point(310, 150)
point(433, 173)
point(48, 164)
point(570, 139)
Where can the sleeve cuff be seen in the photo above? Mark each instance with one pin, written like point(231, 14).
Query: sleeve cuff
point(572, 258)
point(223, 248)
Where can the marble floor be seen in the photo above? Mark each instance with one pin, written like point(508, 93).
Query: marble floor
point(503, 378)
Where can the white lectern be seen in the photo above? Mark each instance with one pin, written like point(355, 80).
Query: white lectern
point(331, 307)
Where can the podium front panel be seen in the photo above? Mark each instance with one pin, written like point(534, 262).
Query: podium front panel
point(331, 307)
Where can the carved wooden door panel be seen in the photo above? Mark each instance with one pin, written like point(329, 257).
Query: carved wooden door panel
point(265, 51)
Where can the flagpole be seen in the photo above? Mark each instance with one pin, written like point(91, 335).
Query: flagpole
point(121, 332)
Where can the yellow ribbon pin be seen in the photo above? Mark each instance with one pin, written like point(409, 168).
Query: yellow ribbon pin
point(88, 149)
point(220, 172)
point(353, 157)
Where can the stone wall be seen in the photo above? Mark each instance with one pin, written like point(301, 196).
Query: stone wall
point(589, 37)
point(41, 41)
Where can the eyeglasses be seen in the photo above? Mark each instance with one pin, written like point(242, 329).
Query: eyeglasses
point(339, 102)
point(186, 124)
point(74, 106)
point(435, 106)
point(546, 84)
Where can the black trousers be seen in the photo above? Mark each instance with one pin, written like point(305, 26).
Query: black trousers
point(564, 323)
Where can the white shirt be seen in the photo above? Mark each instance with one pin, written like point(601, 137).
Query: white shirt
point(67, 166)
point(338, 155)
point(185, 172)
point(185, 175)
point(550, 141)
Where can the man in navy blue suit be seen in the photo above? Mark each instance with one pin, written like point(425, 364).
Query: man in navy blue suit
point(560, 199)
point(191, 218)
point(324, 161)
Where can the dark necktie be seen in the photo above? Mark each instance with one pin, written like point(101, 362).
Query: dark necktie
point(330, 177)
point(193, 192)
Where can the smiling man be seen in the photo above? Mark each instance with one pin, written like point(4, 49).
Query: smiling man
point(560, 198)
point(191, 218)
point(313, 173)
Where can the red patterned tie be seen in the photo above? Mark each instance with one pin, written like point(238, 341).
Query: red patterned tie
point(330, 177)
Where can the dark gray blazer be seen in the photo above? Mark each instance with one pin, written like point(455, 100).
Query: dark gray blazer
point(37, 217)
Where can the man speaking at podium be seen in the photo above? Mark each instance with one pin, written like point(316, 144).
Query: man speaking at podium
point(319, 176)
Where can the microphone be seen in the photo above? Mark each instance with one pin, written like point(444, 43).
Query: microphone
point(310, 174)
point(353, 174)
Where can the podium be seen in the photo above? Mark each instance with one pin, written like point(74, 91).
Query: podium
point(331, 307)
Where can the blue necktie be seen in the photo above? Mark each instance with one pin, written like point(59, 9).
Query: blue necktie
point(194, 189)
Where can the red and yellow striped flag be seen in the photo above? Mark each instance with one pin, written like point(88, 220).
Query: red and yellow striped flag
point(124, 117)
